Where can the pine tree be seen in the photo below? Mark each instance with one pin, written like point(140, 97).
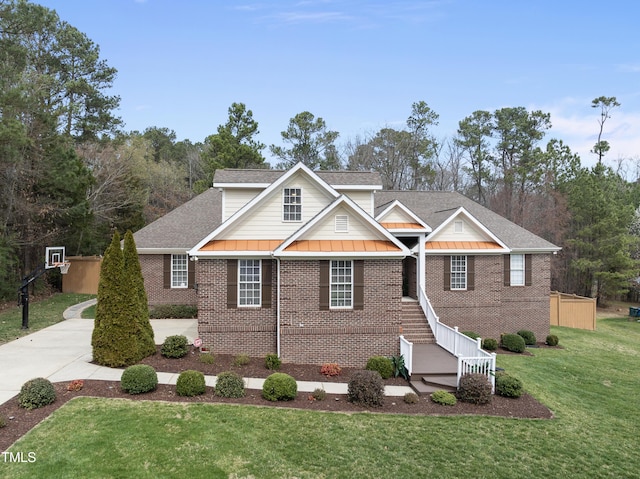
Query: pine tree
point(114, 338)
point(139, 310)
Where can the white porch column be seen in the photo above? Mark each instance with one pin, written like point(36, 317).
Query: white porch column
point(421, 269)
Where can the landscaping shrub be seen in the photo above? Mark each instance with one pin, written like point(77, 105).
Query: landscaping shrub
point(471, 334)
point(272, 362)
point(443, 397)
point(552, 340)
point(3, 421)
point(241, 360)
point(411, 398)
point(513, 342)
point(138, 379)
point(508, 386)
point(381, 364)
point(474, 388)
point(366, 389)
point(207, 358)
point(330, 369)
point(36, 393)
point(229, 385)
point(319, 394)
point(279, 387)
point(177, 311)
point(489, 344)
point(75, 385)
point(399, 368)
point(528, 336)
point(190, 383)
point(175, 346)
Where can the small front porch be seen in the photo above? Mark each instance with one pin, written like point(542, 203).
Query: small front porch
point(434, 369)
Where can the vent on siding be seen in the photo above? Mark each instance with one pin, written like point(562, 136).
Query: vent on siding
point(342, 223)
point(458, 226)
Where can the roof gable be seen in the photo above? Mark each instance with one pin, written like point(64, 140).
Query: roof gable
point(398, 218)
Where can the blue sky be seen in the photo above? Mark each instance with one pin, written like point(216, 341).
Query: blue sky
point(361, 64)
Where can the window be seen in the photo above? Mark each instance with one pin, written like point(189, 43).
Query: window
point(249, 282)
point(179, 271)
point(342, 223)
point(517, 270)
point(341, 284)
point(458, 272)
point(292, 204)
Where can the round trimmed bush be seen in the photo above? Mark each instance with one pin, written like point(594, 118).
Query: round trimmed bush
point(272, 361)
point(36, 393)
point(175, 346)
point(229, 385)
point(508, 386)
point(138, 379)
point(528, 336)
point(513, 343)
point(190, 383)
point(279, 387)
point(474, 388)
point(552, 340)
point(489, 344)
point(381, 364)
point(411, 398)
point(443, 397)
point(366, 389)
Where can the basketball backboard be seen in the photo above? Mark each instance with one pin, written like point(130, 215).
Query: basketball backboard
point(55, 257)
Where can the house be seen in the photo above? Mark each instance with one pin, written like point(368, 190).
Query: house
point(323, 267)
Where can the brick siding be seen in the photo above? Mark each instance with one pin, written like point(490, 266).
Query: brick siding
point(492, 308)
point(152, 267)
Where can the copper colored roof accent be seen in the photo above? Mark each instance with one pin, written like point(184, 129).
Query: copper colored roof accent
point(462, 245)
point(397, 226)
point(241, 245)
point(342, 246)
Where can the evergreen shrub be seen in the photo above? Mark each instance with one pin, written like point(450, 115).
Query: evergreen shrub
point(513, 342)
point(528, 336)
point(229, 385)
point(319, 394)
point(471, 334)
point(279, 387)
point(444, 398)
point(272, 362)
point(206, 358)
point(175, 346)
point(489, 344)
point(474, 388)
point(366, 389)
point(190, 383)
point(138, 379)
point(508, 386)
point(411, 398)
point(241, 360)
point(36, 393)
point(552, 340)
point(381, 364)
point(177, 311)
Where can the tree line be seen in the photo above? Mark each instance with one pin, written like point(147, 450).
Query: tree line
point(71, 175)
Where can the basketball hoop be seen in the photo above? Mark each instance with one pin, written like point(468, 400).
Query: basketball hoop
point(64, 267)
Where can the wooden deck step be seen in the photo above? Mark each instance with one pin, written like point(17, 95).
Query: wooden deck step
point(415, 327)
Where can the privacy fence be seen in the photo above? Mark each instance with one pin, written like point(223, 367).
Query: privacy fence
point(573, 311)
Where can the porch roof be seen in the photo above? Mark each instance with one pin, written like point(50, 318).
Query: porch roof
point(333, 246)
point(241, 245)
point(402, 226)
point(462, 245)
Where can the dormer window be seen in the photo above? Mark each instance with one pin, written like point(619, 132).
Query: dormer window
point(292, 204)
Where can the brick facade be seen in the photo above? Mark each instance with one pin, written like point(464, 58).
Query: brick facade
point(493, 308)
point(152, 266)
point(308, 335)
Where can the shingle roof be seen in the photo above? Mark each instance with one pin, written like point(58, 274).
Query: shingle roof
point(257, 176)
point(434, 207)
point(185, 226)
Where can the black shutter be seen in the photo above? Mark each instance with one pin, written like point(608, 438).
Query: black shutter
point(232, 283)
point(166, 271)
point(527, 270)
point(507, 270)
point(324, 285)
point(358, 284)
point(447, 273)
point(471, 273)
point(267, 269)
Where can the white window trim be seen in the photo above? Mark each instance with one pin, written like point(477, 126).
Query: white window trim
point(331, 284)
point(259, 283)
point(465, 272)
point(512, 270)
point(283, 204)
point(174, 283)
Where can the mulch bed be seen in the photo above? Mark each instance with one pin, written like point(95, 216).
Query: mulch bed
point(19, 420)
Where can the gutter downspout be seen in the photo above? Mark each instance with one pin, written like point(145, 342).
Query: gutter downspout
point(278, 306)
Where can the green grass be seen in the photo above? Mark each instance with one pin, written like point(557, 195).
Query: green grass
point(591, 386)
point(41, 314)
point(90, 312)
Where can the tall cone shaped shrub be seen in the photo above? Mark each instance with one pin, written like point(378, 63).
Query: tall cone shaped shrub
point(114, 339)
point(140, 310)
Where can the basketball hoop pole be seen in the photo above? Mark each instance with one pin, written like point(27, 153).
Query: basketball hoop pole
point(24, 289)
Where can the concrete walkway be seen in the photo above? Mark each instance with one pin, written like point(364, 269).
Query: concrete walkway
point(62, 352)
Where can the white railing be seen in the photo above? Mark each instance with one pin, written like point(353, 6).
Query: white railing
point(406, 351)
point(468, 351)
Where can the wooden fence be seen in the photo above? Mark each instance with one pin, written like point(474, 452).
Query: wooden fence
point(573, 311)
point(83, 275)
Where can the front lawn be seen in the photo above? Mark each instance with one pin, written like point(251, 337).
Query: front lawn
point(591, 385)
